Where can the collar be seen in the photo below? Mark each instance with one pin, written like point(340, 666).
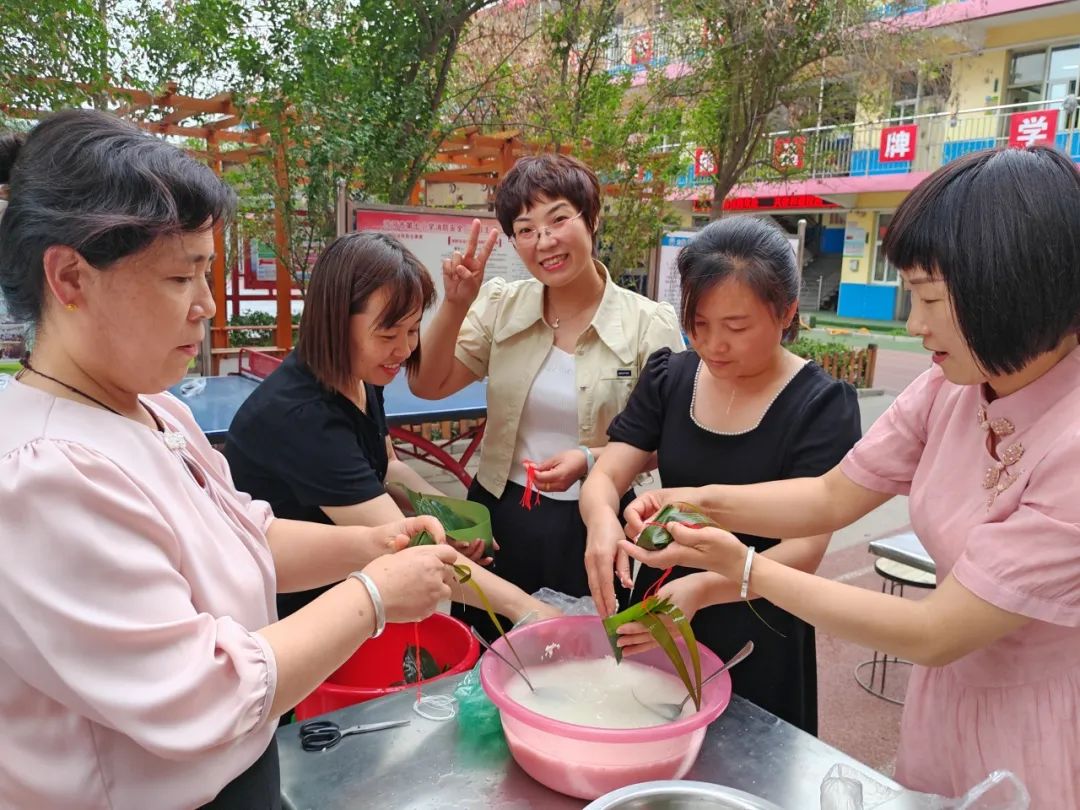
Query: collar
point(607, 321)
point(1035, 398)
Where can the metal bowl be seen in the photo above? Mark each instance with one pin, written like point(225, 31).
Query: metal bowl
point(679, 795)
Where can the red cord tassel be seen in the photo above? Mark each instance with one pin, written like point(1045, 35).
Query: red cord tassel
point(656, 585)
point(531, 496)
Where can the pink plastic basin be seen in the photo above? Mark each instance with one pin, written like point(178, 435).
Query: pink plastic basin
point(584, 761)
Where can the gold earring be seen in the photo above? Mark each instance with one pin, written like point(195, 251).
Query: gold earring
point(72, 307)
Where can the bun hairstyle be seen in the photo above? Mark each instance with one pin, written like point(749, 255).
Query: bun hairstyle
point(10, 144)
point(88, 180)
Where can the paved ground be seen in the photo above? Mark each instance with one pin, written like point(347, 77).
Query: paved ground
point(857, 723)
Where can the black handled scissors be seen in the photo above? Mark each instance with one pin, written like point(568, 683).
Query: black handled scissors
point(320, 735)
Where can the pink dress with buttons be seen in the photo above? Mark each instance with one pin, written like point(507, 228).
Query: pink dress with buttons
point(1007, 527)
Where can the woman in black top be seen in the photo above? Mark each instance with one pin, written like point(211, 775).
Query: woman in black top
point(737, 409)
point(312, 439)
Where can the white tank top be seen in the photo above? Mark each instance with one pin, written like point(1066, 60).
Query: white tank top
point(549, 420)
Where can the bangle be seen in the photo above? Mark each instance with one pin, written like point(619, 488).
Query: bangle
point(745, 588)
point(376, 600)
point(590, 459)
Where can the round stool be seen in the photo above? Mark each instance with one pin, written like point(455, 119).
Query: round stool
point(894, 576)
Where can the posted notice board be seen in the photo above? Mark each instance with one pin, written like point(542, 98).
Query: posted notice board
point(433, 234)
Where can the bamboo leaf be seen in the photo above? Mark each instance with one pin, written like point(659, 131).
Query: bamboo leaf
point(654, 536)
point(687, 633)
point(464, 577)
point(659, 631)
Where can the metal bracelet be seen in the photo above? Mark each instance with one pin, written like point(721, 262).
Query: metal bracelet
point(745, 588)
point(376, 600)
point(590, 459)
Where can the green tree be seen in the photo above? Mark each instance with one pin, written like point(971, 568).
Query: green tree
point(760, 65)
point(554, 86)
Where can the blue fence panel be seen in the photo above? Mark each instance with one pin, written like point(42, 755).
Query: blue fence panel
point(865, 162)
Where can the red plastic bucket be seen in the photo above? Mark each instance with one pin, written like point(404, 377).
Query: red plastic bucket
point(378, 663)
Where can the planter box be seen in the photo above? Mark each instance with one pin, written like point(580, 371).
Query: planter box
point(852, 365)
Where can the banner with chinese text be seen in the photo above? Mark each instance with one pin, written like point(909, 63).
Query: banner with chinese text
point(897, 144)
point(1029, 128)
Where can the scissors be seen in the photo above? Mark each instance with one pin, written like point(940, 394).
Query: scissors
point(321, 735)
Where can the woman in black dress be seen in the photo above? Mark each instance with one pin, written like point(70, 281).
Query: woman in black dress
point(738, 408)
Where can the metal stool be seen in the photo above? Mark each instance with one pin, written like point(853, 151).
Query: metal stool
point(895, 576)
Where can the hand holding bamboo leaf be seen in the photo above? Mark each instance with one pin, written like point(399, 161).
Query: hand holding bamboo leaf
point(648, 613)
point(708, 548)
point(685, 593)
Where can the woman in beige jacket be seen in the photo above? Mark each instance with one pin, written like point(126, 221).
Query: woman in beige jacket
point(561, 352)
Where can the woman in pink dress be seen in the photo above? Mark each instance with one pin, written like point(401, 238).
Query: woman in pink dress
point(142, 664)
point(987, 444)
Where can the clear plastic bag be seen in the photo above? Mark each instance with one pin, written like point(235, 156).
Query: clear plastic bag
point(569, 605)
point(847, 788)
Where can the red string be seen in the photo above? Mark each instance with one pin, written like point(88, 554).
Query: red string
point(656, 585)
point(531, 496)
point(419, 670)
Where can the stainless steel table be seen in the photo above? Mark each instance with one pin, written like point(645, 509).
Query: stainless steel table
point(904, 547)
point(432, 765)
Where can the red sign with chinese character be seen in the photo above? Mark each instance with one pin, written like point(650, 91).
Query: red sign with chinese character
point(1029, 128)
point(897, 144)
point(789, 154)
point(704, 166)
point(641, 50)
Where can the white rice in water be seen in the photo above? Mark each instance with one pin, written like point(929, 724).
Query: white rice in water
point(598, 692)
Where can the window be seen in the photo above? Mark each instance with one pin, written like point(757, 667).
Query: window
point(885, 272)
point(1047, 74)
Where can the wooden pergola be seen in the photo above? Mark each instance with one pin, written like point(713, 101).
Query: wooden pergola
point(219, 123)
point(469, 156)
point(466, 156)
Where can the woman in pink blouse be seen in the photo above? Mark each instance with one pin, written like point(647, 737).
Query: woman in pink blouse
point(987, 444)
point(141, 661)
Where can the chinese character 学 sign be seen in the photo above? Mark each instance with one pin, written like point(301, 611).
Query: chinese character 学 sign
point(789, 154)
point(897, 144)
point(1029, 128)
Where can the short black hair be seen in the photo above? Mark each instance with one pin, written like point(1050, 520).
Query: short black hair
point(552, 176)
point(88, 180)
point(755, 252)
point(1001, 228)
point(345, 276)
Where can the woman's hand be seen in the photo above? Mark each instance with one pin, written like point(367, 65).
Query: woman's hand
point(561, 471)
point(463, 273)
point(475, 550)
point(707, 548)
point(640, 510)
point(394, 536)
point(603, 561)
point(687, 593)
point(414, 581)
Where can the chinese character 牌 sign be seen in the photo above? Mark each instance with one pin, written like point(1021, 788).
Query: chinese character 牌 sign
point(1029, 128)
point(897, 144)
point(789, 153)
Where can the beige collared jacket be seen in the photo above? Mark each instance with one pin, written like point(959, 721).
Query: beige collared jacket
point(504, 337)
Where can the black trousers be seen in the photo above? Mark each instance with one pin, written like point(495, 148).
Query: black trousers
point(257, 788)
point(542, 547)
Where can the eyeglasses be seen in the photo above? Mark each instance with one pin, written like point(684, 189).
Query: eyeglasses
point(530, 236)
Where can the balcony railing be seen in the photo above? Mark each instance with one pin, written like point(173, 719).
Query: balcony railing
point(853, 150)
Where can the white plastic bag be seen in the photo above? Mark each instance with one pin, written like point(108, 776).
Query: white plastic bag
point(847, 788)
point(569, 605)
